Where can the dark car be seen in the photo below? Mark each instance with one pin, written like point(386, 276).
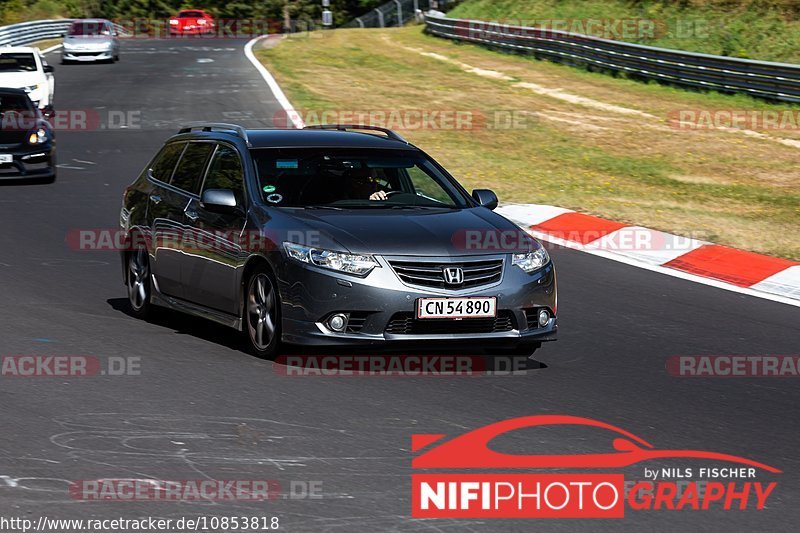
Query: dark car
point(330, 235)
point(27, 143)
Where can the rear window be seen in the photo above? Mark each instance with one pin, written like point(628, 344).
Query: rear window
point(189, 173)
point(88, 28)
point(17, 62)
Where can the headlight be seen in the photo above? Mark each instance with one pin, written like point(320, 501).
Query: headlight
point(531, 261)
point(357, 264)
point(38, 137)
point(31, 88)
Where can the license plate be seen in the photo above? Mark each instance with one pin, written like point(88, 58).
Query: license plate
point(6, 158)
point(456, 308)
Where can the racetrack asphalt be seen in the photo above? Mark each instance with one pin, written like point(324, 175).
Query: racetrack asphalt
point(203, 409)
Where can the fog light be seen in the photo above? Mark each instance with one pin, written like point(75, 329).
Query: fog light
point(544, 318)
point(337, 322)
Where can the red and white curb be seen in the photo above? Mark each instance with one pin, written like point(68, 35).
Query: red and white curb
point(749, 273)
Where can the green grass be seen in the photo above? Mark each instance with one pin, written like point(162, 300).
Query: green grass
point(756, 29)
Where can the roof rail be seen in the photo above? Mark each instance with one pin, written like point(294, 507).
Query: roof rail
point(216, 126)
point(344, 127)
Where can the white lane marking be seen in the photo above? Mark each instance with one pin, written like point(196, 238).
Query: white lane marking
point(519, 218)
point(84, 162)
point(205, 60)
point(62, 165)
point(51, 49)
point(273, 85)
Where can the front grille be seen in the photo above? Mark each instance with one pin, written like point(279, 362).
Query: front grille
point(431, 273)
point(406, 324)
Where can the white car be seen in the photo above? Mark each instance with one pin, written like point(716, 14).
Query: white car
point(23, 67)
point(90, 40)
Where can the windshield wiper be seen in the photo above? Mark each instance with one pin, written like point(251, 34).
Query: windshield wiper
point(333, 207)
point(421, 207)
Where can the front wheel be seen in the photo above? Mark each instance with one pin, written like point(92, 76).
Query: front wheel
point(139, 282)
point(262, 315)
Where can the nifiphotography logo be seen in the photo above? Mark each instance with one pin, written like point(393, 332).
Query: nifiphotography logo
point(721, 482)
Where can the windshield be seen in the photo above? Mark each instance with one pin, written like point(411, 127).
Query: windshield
point(17, 62)
point(15, 103)
point(353, 179)
point(88, 28)
point(190, 14)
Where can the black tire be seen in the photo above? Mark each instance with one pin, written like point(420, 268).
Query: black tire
point(138, 282)
point(261, 314)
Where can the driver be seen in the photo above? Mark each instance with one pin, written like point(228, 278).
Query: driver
point(364, 184)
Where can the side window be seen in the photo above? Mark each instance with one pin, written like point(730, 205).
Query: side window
point(189, 173)
point(225, 172)
point(164, 163)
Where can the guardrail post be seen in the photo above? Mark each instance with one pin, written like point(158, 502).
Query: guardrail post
point(399, 13)
point(380, 17)
point(360, 22)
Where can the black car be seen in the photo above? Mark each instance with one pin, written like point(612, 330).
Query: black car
point(27, 142)
point(330, 235)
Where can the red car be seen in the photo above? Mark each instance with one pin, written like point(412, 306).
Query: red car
point(191, 22)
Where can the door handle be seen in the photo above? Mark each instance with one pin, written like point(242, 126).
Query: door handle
point(192, 215)
point(156, 199)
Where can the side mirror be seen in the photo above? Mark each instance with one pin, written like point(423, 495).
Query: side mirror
point(48, 68)
point(485, 197)
point(48, 112)
point(221, 201)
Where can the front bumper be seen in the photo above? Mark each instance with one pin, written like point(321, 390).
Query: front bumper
point(384, 308)
point(31, 162)
point(87, 55)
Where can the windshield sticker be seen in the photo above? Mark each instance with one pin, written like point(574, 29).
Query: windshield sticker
point(286, 163)
point(269, 188)
point(275, 198)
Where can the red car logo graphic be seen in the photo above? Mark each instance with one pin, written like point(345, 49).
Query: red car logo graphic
point(471, 449)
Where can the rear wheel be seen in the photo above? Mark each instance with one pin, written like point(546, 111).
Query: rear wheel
point(139, 282)
point(262, 314)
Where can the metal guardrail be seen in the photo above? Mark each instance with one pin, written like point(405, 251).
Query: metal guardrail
point(31, 32)
point(393, 13)
point(762, 79)
point(26, 33)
